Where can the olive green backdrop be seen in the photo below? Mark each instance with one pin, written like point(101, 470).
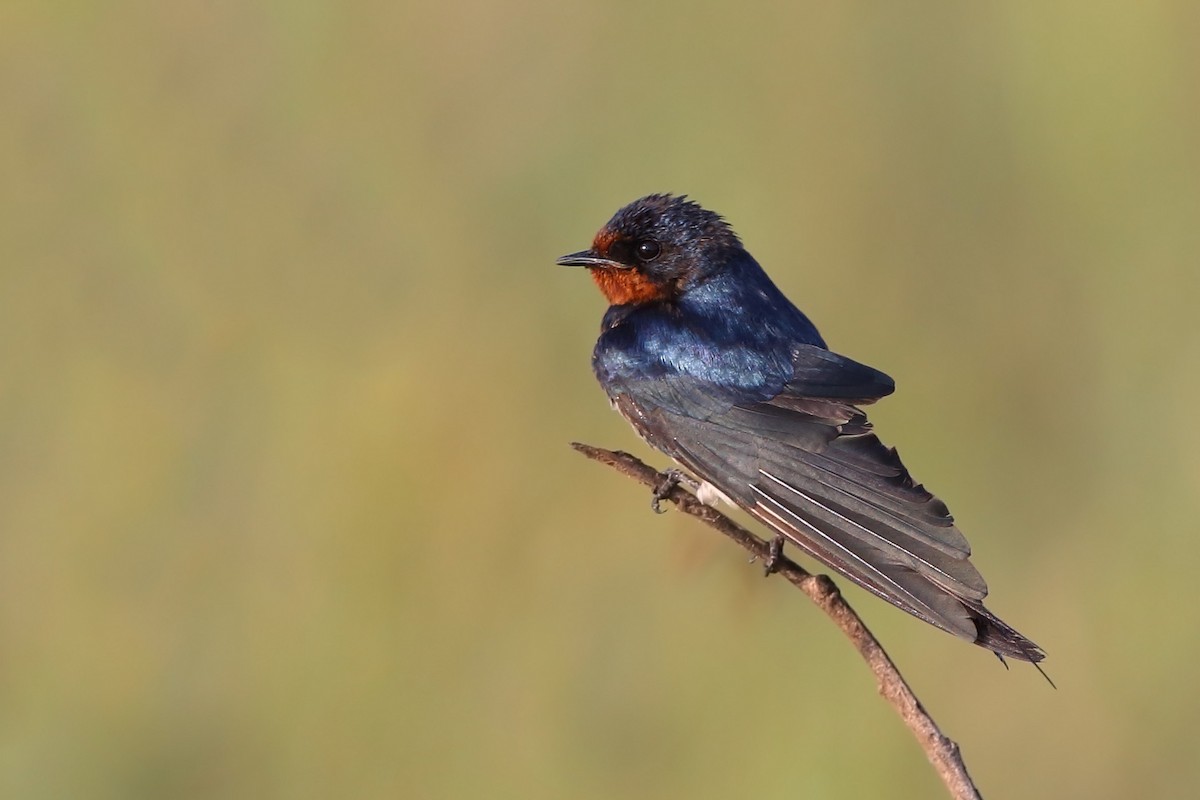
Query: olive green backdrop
point(287, 378)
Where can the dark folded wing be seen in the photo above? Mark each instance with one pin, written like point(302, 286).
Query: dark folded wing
point(821, 373)
point(807, 464)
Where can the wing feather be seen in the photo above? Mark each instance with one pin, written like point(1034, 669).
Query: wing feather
point(843, 498)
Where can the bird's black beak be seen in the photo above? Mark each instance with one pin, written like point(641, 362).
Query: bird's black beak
point(586, 258)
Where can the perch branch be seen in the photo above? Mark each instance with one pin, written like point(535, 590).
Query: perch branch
point(942, 752)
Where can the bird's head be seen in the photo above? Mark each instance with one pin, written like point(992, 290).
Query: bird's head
point(654, 248)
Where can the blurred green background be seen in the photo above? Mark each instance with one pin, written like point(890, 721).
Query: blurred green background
point(287, 378)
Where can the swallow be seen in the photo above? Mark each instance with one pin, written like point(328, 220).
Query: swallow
point(715, 367)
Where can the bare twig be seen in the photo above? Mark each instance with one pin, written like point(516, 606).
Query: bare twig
point(942, 752)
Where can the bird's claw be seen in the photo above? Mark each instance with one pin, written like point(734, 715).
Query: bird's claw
point(774, 556)
point(670, 479)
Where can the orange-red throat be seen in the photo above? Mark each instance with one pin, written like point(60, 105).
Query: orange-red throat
point(623, 286)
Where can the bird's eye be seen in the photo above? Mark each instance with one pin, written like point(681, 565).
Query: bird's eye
point(648, 250)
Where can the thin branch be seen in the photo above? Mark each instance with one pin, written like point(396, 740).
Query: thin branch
point(942, 752)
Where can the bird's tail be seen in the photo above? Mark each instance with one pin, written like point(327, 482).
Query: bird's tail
point(1001, 638)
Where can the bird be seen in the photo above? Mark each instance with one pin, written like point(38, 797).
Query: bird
point(712, 365)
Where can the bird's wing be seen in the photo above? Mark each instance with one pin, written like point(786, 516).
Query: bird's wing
point(821, 373)
point(806, 463)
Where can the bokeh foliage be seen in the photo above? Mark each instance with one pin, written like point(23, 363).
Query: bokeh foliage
point(287, 377)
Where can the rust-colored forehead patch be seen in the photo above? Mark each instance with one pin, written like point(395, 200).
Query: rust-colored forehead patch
point(604, 240)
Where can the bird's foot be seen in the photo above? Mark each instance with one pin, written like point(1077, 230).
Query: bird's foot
point(670, 479)
point(774, 556)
